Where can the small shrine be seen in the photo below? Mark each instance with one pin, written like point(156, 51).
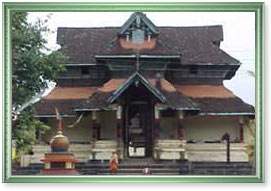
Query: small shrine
point(59, 161)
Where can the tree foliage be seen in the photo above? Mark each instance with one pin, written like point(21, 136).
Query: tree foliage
point(33, 65)
point(26, 127)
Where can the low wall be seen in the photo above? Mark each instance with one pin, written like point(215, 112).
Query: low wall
point(102, 151)
point(216, 152)
point(99, 150)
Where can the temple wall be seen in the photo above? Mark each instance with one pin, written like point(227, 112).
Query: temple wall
point(108, 124)
point(168, 128)
point(203, 128)
point(208, 128)
point(80, 133)
point(200, 128)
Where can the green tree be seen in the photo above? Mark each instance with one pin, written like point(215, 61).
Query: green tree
point(33, 65)
point(25, 129)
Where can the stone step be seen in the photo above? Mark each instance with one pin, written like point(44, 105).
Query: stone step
point(25, 172)
point(221, 165)
point(131, 174)
point(222, 168)
point(131, 171)
point(220, 172)
point(131, 166)
point(163, 168)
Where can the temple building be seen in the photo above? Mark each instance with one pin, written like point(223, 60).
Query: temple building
point(146, 91)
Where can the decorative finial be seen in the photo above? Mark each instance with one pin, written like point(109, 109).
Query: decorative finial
point(59, 142)
point(58, 117)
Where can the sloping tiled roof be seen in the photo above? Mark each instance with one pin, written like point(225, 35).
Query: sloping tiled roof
point(195, 44)
point(206, 99)
point(223, 105)
point(205, 91)
point(65, 106)
point(70, 93)
point(99, 99)
point(215, 99)
point(175, 99)
point(64, 98)
point(114, 48)
point(112, 85)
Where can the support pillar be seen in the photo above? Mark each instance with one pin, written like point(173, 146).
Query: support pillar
point(180, 125)
point(96, 128)
point(241, 129)
point(157, 122)
point(119, 122)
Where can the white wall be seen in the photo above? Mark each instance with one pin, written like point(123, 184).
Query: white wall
point(108, 124)
point(80, 133)
point(202, 128)
point(199, 128)
point(168, 128)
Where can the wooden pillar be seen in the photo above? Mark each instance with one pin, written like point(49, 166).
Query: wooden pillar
point(241, 129)
point(119, 122)
point(157, 122)
point(180, 125)
point(96, 128)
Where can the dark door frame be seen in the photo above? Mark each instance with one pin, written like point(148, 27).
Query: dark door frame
point(150, 134)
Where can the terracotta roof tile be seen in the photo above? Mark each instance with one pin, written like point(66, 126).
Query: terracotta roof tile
point(205, 91)
point(167, 86)
point(209, 99)
point(65, 106)
point(175, 99)
point(223, 105)
point(194, 43)
point(215, 99)
point(111, 85)
point(61, 93)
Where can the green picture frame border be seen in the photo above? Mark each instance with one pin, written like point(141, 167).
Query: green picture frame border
point(256, 7)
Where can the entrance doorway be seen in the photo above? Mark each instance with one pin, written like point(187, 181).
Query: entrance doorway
point(139, 129)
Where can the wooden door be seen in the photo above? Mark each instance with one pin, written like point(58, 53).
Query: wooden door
point(139, 129)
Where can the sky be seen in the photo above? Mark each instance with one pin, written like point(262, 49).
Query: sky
point(238, 35)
